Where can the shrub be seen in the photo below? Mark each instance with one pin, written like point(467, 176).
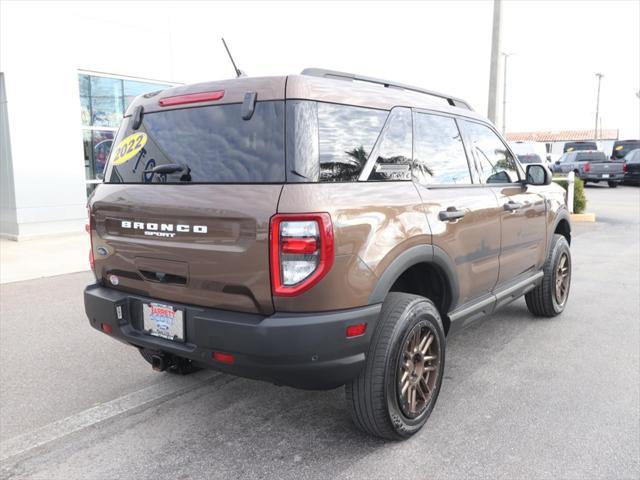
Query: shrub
point(579, 198)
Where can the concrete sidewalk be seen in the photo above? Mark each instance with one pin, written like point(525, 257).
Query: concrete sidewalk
point(43, 257)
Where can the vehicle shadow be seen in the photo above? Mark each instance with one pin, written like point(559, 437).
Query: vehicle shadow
point(247, 427)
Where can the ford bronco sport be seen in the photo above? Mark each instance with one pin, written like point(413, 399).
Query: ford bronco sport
point(318, 230)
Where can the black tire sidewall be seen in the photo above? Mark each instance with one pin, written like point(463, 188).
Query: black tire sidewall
point(419, 311)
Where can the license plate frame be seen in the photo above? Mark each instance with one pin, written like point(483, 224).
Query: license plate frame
point(163, 321)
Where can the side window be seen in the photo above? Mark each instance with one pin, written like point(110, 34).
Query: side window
point(493, 161)
point(328, 142)
point(439, 153)
point(393, 152)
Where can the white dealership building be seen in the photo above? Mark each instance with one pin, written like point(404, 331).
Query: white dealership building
point(67, 72)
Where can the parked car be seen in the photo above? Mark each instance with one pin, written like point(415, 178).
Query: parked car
point(528, 152)
point(622, 147)
point(591, 166)
point(313, 231)
point(527, 158)
point(632, 165)
point(577, 146)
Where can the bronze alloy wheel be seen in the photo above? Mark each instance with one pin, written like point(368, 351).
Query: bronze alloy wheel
point(418, 370)
point(562, 279)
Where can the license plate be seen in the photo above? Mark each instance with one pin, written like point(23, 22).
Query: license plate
point(164, 321)
point(605, 175)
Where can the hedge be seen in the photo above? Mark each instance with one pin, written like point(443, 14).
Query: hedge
point(579, 198)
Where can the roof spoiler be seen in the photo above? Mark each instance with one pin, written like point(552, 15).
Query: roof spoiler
point(320, 72)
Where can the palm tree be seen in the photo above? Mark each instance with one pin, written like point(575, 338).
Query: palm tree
point(359, 155)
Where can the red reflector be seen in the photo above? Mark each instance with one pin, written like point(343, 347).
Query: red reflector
point(356, 330)
point(191, 98)
point(106, 328)
point(87, 228)
point(299, 245)
point(223, 357)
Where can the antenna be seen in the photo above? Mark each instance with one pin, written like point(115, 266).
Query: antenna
point(239, 73)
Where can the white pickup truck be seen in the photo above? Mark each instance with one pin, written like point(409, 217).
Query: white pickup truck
point(591, 166)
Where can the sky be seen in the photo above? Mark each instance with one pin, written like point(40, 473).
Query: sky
point(557, 48)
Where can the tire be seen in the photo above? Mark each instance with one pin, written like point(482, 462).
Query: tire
point(375, 399)
point(612, 184)
point(545, 300)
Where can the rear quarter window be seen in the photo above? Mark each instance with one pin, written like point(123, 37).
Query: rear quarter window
point(213, 144)
point(328, 142)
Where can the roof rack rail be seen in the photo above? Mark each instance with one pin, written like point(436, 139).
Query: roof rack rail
point(320, 72)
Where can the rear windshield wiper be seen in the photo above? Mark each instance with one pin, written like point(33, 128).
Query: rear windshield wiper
point(168, 168)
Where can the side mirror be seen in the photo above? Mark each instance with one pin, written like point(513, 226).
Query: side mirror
point(557, 162)
point(538, 175)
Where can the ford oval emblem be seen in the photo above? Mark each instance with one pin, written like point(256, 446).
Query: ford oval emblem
point(103, 252)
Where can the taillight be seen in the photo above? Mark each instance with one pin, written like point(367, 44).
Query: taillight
point(301, 251)
point(191, 98)
point(625, 168)
point(89, 228)
point(586, 167)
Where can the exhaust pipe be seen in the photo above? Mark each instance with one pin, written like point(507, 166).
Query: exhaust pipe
point(159, 362)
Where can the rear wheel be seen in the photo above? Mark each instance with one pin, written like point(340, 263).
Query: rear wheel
point(550, 297)
point(613, 184)
point(398, 387)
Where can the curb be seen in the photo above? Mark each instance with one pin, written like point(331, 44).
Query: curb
point(583, 217)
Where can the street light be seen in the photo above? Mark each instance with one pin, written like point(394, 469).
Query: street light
point(595, 131)
point(504, 92)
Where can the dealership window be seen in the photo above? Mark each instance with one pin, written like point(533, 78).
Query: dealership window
point(103, 101)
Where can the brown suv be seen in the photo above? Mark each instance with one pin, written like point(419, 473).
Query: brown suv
point(317, 230)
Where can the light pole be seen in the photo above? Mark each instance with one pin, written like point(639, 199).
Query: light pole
point(504, 92)
point(494, 79)
point(595, 131)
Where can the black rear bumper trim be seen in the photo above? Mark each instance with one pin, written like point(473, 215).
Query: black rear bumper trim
point(304, 350)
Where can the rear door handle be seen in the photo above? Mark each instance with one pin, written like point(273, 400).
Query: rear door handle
point(513, 206)
point(450, 214)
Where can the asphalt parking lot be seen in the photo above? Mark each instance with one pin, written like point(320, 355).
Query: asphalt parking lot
point(522, 397)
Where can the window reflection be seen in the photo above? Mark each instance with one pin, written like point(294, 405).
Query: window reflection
point(103, 101)
point(132, 89)
point(440, 156)
point(85, 99)
point(214, 143)
point(393, 161)
point(493, 161)
point(97, 146)
point(346, 137)
point(106, 101)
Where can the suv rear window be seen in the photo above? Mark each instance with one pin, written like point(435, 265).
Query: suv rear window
point(529, 158)
point(620, 149)
point(211, 144)
point(591, 157)
point(574, 146)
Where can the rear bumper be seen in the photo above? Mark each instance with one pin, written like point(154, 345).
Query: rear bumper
point(613, 177)
point(300, 350)
point(632, 177)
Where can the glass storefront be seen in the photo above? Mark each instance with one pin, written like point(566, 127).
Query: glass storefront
point(103, 101)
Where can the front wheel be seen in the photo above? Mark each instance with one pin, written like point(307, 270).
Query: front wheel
point(550, 297)
point(398, 387)
point(612, 184)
